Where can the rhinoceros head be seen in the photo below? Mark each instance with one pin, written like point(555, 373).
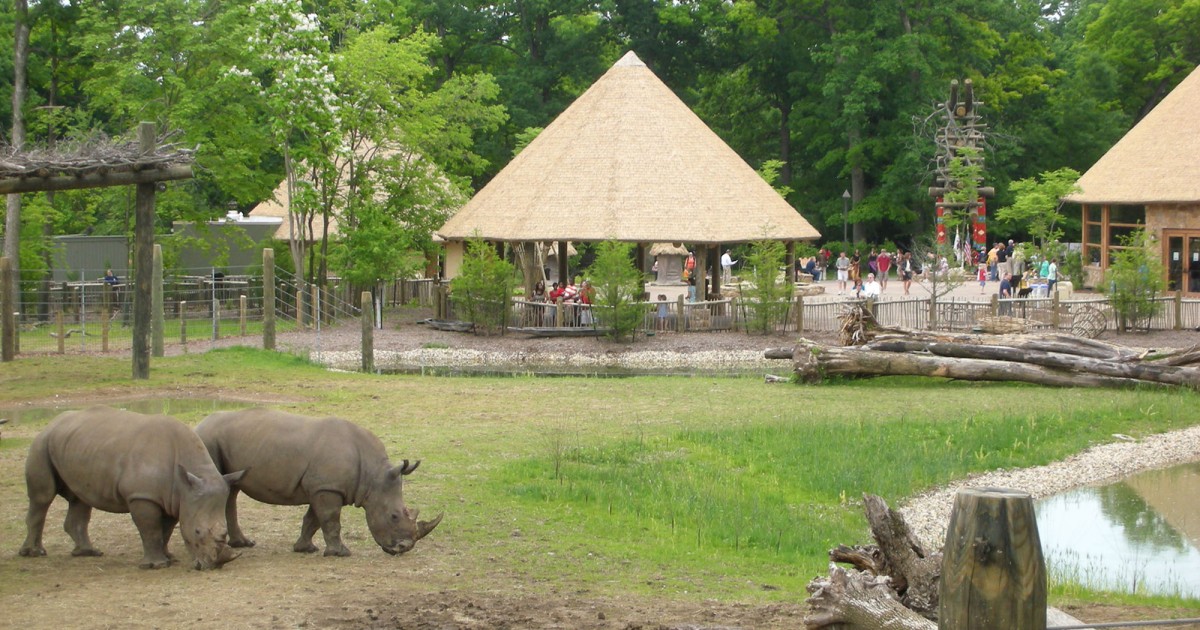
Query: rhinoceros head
point(202, 517)
point(394, 526)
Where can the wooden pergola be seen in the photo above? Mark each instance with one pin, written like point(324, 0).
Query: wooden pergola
point(142, 164)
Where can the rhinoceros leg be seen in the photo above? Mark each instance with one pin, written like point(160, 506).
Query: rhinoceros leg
point(168, 528)
point(79, 514)
point(39, 479)
point(148, 517)
point(236, 537)
point(328, 509)
point(304, 543)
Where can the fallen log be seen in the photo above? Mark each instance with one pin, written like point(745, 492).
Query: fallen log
point(1050, 342)
point(814, 363)
point(1141, 371)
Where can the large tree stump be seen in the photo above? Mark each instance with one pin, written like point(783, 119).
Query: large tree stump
point(993, 575)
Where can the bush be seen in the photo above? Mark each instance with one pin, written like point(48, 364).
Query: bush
point(484, 288)
point(615, 279)
point(1133, 279)
point(769, 298)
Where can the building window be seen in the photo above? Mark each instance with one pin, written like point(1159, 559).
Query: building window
point(1105, 229)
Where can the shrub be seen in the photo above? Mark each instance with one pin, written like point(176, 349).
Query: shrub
point(1134, 277)
point(769, 298)
point(615, 279)
point(484, 287)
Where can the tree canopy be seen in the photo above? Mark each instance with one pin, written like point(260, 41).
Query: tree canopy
point(831, 92)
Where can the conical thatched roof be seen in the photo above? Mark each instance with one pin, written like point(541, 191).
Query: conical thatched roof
point(1158, 161)
point(628, 161)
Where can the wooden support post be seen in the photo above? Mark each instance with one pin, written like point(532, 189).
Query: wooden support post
point(993, 573)
point(268, 305)
point(701, 273)
point(679, 323)
point(799, 313)
point(183, 324)
point(368, 334)
point(558, 312)
point(216, 319)
point(316, 306)
point(1178, 310)
point(996, 305)
point(8, 324)
point(156, 325)
point(105, 326)
point(439, 306)
point(62, 331)
point(562, 262)
point(242, 315)
point(143, 255)
point(300, 289)
point(790, 257)
point(1055, 318)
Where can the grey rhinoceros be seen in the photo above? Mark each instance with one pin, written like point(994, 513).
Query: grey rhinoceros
point(325, 463)
point(152, 467)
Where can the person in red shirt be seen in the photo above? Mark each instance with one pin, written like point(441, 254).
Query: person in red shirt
point(884, 263)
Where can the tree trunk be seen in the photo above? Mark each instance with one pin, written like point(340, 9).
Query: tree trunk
point(813, 363)
point(12, 221)
point(894, 584)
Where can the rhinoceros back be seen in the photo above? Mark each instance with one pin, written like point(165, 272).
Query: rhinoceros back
point(289, 457)
point(107, 457)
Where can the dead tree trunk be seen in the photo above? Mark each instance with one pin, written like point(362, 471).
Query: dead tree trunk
point(1052, 360)
point(894, 583)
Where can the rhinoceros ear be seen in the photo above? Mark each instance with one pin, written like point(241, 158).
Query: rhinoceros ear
point(234, 477)
point(404, 468)
point(192, 481)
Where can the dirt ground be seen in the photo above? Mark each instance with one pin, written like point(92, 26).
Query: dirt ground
point(433, 587)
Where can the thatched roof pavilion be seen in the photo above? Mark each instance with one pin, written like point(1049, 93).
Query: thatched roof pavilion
point(627, 161)
point(1150, 180)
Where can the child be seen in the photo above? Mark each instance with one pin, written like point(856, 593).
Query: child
point(662, 311)
point(982, 276)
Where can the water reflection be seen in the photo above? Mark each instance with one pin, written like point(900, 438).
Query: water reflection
point(1140, 534)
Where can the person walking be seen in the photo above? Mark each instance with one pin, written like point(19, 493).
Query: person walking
point(906, 271)
point(727, 263)
point(884, 263)
point(843, 271)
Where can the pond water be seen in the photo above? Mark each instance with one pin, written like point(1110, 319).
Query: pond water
point(187, 409)
point(1141, 534)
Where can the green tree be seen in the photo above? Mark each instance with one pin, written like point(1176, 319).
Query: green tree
point(616, 281)
point(770, 296)
point(483, 289)
point(1038, 205)
point(1133, 279)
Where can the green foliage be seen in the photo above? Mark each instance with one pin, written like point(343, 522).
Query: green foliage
point(769, 297)
point(615, 280)
point(1038, 205)
point(1134, 278)
point(483, 289)
point(770, 173)
point(378, 249)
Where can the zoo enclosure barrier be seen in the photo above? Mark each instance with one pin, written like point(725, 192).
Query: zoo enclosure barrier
point(800, 314)
point(199, 306)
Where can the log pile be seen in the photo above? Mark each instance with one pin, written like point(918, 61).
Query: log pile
point(1048, 359)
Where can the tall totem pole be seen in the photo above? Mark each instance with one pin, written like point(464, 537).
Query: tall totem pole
point(958, 174)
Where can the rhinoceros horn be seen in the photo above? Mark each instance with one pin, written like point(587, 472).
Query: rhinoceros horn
point(424, 527)
point(226, 556)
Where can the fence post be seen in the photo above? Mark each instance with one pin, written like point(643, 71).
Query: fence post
point(799, 313)
point(242, 314)
point(368, 334)
point(995, 305)
point(679, 323)
point(558, 312)
point(268, 306)
point(156, 305)
point(105, 324)
point(1178, 310)
point(62, 333)
point(316, 306)
point(8, 323)
point(183, 323)
point(1055, 317)
point(993, 573)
